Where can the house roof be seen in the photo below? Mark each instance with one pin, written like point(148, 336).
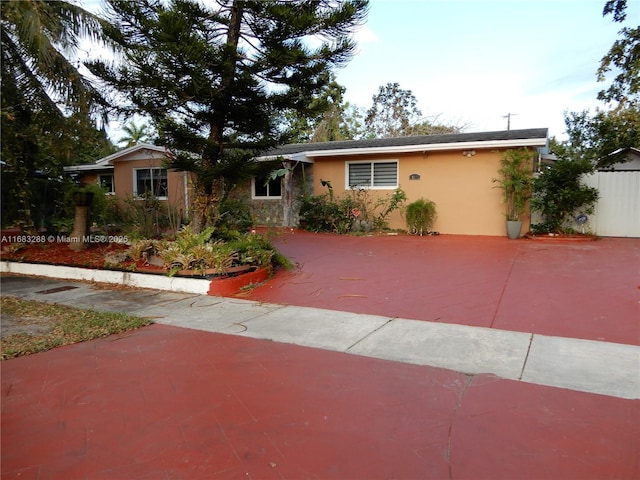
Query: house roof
point(106, 163)
point(534, 137)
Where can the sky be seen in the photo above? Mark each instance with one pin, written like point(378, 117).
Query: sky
point(470, 63)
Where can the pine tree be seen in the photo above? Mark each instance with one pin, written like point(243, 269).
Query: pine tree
point(217, 79)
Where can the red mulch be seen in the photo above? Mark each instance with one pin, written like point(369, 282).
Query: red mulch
point(59, 253)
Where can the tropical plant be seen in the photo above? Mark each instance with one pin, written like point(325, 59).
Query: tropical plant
point(135, 134)
point(199, 252)
point(145, 216)
point(515, 180)
point(420, 216)
point(48, 106)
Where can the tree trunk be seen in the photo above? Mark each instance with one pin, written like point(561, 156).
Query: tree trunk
point(287, 197)
point(208, 196)
point(80, 228)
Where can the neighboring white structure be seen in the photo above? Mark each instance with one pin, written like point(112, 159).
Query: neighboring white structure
point(617, 212)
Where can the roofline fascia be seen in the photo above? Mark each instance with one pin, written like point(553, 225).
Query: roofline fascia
point(87, 168)
point(295, 157)
point(527, 142)
point(128, 150)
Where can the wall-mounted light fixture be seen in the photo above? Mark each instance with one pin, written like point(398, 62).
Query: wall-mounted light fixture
point(414, 176)
point(469, 153)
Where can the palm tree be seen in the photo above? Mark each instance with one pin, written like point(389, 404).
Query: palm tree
point(135, 134)
point(43, 93)
point(37, 36)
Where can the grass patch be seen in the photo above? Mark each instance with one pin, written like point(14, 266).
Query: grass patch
point(44, 326)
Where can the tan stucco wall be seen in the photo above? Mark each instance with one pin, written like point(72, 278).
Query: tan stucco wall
point(123, 180)
point(466, 200)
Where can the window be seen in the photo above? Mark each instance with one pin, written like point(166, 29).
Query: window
point(106, 182)
point(150, 180)
point(263, 189)
point(380, 175)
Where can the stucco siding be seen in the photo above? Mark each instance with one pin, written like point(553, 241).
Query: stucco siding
point(461, 187)
point(123, 173)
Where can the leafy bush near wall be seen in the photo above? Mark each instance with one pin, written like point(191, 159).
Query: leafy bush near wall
point(320, 214)
point(354, 212)
point(559, 194)
point(420, 216)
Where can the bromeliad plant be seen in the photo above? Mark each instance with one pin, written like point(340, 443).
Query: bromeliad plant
point(203, 254)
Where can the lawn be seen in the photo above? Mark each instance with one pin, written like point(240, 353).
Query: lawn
point(30, 327)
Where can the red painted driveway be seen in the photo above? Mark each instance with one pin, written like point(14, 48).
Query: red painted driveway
point(588, 290)
point(172, 403)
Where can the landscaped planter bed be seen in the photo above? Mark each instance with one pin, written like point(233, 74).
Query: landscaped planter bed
point(58, 261)
point(578, 237)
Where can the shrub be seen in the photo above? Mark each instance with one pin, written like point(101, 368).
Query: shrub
point(420, 216)
point(558, 194)
point(319, 213)
point(354, 212)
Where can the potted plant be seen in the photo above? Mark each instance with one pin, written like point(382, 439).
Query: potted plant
point(516, 180)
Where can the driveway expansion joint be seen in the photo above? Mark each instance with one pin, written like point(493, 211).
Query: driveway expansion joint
point(524, 364)
point(372, 332)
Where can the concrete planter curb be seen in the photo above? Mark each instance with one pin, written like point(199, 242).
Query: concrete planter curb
point(131, 279)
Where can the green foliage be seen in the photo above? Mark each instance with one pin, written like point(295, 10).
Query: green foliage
point(234, 217)
point(217, 77)
point(202, 252)
point(104, 215)
point(145, 216)
point(48, 107)
point(596, 137)
point(420, 216)
point(187, 238)
point(319, 213)
point(624, 59)
point(515, 180)
point(354, 212)
point(558, 194)
point(135, 134)
point(393, 112)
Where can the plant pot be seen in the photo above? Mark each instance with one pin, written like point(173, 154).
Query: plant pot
point(513, 229)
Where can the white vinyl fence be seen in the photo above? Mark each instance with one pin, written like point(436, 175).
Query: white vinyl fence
point(617, 212)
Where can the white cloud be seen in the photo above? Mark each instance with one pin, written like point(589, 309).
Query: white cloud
point(365, 35)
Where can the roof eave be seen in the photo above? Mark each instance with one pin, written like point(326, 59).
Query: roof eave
point(295, 157)
point(522, 142)
point(88, 168)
